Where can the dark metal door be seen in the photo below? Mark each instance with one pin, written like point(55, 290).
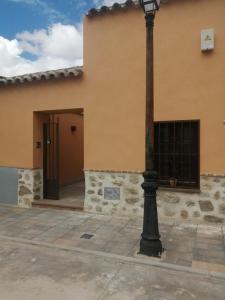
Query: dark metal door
point(51, 159)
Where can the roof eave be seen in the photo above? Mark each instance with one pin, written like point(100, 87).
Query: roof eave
point(76, 72)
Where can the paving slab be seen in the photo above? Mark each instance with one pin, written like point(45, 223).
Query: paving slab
point(40, 273)
point(144, 283)
point(45, 274)
point(187, 245)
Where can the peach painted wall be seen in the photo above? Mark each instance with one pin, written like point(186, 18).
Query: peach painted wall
point(18, 104)
point(71, 148)
point(188, 85)
point(114, 61)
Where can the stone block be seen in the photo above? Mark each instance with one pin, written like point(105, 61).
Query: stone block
point(91, 192)
point(98, 208)
point(95, 199)
point(217, 180)
point(205, 205)
point(101, 176)
point(184, 214)
point(117, 182)
point(213, 219)
point(134, 178)
point(122, 176)
point(27, 177)
point(190, 203)
point(100, 192)
point(93, 179)
point(222, 209)
point(169, 212)
point(37, 177)
point(207, 186)
point(205, 195)
point(132, 191)
point(196, 214)
point(132, 200)
point(170, 198)
point(24, 191)
point(217, 195)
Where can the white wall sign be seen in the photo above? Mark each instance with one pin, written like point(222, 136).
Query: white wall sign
point(207, 39)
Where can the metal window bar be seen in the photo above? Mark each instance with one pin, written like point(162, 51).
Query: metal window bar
point(177, 152)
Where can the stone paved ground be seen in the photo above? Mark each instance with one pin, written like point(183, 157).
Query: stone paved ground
point(192, 246)
point(35, 272)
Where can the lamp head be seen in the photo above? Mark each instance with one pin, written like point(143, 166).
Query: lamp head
point(150, 6)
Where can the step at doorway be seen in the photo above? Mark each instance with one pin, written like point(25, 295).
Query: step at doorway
point(71, 197)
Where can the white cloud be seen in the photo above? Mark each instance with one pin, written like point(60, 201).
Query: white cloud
point(58, 47)
point(59, 41)
point(99, 3)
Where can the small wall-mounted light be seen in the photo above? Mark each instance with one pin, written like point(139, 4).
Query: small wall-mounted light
point(207, 40)
point(73, 129)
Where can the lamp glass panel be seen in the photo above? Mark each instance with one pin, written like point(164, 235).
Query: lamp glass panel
point(149, 7)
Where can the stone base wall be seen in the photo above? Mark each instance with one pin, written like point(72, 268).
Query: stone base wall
point(121, 194)
point(118, 193)
point(30, 186)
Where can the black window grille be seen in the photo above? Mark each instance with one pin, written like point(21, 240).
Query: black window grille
point(177, 153)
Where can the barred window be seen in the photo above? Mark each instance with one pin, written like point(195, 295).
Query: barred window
point(177, 153)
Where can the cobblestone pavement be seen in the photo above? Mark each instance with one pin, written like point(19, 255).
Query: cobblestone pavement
point(186, 245)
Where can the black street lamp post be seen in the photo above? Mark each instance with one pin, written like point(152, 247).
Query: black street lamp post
point(150, 243)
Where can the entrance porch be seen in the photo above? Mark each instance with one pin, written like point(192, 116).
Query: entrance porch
point(71, 197)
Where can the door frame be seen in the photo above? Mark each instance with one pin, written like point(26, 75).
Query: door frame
point(51, 159)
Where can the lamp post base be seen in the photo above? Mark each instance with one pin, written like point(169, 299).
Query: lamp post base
point(151, 247)
point(150, 243)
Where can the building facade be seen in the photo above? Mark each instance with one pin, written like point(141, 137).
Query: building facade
point(108, 93)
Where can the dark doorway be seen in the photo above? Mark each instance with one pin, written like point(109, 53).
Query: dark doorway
point(63, 158)
point(51, 158)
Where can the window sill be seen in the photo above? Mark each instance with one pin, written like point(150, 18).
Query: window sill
point(180, 190)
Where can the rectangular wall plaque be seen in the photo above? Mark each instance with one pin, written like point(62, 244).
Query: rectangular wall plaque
point(207, 39)
point(111, 193)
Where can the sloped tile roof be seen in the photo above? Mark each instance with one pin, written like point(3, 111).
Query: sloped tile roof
point(116, 6)
point(47, 75)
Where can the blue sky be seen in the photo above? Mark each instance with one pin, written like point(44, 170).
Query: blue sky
point(36, 35)
point(20, 15)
